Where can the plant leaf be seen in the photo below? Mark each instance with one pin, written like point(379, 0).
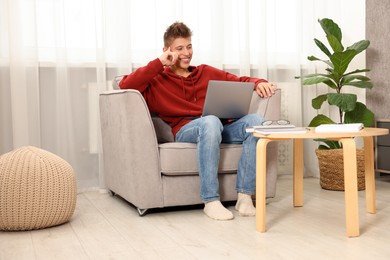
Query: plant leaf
point(341, 61)
point(328, 144)
point(346, 102)
point(360, 84)
point(322, 47)
point(314, 80)
point(313, 58)
point(331, 84)
point(333, 144)
point(361, 114)
point(317, 102)
point(356, 71)
point(316, 74)
point(327, 62)
point(319, 120)
point(330, 70)
point(350, 78)
point(331, 28)
point(335, 43)
point(359, 46)
point(323, 147)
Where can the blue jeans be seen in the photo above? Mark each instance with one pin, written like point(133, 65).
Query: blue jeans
point(208, 133)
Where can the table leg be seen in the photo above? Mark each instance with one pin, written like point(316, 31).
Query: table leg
point(369, 174)
point(298, 173)
point(261, 171)
point(351, 189)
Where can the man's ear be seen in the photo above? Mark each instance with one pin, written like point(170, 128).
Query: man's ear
point(165, 49)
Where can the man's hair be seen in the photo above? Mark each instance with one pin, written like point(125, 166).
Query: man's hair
point(176, 30)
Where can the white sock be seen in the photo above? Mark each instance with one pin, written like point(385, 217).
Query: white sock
point(216, 210)
point(244, 205)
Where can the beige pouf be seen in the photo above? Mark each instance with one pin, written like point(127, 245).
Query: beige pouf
point(37, 189)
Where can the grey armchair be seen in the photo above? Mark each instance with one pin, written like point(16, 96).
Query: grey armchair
point(143, 164)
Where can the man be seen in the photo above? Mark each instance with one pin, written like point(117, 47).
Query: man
point(176, 91)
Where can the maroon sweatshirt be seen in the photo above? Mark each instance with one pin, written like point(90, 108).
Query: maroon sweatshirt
point(174, 98)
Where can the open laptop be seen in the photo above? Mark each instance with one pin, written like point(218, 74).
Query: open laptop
point(228, 99)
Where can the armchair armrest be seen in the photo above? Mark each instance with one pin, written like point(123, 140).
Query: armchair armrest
point(130, 149)
point(269, 108)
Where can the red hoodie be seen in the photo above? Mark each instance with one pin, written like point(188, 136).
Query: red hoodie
point(176, 99)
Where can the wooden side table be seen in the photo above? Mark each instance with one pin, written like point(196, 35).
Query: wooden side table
point(350, 172)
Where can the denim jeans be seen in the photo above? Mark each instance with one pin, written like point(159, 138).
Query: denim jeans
point(208, 133)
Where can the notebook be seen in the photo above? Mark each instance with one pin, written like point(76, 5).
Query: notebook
point(341, 128)
point(288, 130)
point(228, 99)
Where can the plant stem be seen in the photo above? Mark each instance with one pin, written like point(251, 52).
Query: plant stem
point(341, 115)
point(338, 90)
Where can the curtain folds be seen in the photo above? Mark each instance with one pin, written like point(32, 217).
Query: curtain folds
point(56, 56)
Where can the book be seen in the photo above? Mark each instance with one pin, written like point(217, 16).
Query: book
point(290, 130)
point(339, 128)
point(252, 128)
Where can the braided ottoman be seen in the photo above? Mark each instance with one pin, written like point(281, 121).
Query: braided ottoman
point(37, 189)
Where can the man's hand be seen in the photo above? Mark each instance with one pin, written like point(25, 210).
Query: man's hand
point(168, 58)
point(266, 89)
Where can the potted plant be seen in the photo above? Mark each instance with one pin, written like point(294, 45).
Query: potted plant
point(350, 110)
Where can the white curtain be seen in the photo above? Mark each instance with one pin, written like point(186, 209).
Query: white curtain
point(56, 56)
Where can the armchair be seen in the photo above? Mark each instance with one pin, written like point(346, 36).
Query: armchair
point(143, 164)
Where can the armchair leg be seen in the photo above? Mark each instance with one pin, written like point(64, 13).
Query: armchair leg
point(142, 212)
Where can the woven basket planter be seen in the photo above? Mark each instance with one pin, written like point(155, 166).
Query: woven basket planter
point(331, 165)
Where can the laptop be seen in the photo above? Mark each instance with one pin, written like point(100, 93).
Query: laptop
point(228, 99)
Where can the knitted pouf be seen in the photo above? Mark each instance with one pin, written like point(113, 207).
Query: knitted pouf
point(37, 189)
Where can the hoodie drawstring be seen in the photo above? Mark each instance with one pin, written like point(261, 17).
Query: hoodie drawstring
point(193, 89)
point(194, 97)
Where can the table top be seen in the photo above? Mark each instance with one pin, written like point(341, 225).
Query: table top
point(311, 134)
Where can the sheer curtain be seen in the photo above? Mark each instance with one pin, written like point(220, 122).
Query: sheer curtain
point(56, 56)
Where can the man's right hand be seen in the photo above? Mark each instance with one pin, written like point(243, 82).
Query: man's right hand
point(168, 58)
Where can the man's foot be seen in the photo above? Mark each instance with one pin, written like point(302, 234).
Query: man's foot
point(244, 205)
point(216, 210)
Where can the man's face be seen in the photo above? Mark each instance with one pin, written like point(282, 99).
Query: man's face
point(183, 49)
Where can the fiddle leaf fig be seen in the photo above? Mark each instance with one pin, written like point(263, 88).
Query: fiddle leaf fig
point(337, 76)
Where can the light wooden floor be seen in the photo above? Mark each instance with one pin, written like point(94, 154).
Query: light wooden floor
point(106, 227)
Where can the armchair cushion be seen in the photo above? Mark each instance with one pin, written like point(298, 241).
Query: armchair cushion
point(178, 158)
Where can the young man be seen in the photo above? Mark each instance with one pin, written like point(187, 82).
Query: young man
point(176, 91)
